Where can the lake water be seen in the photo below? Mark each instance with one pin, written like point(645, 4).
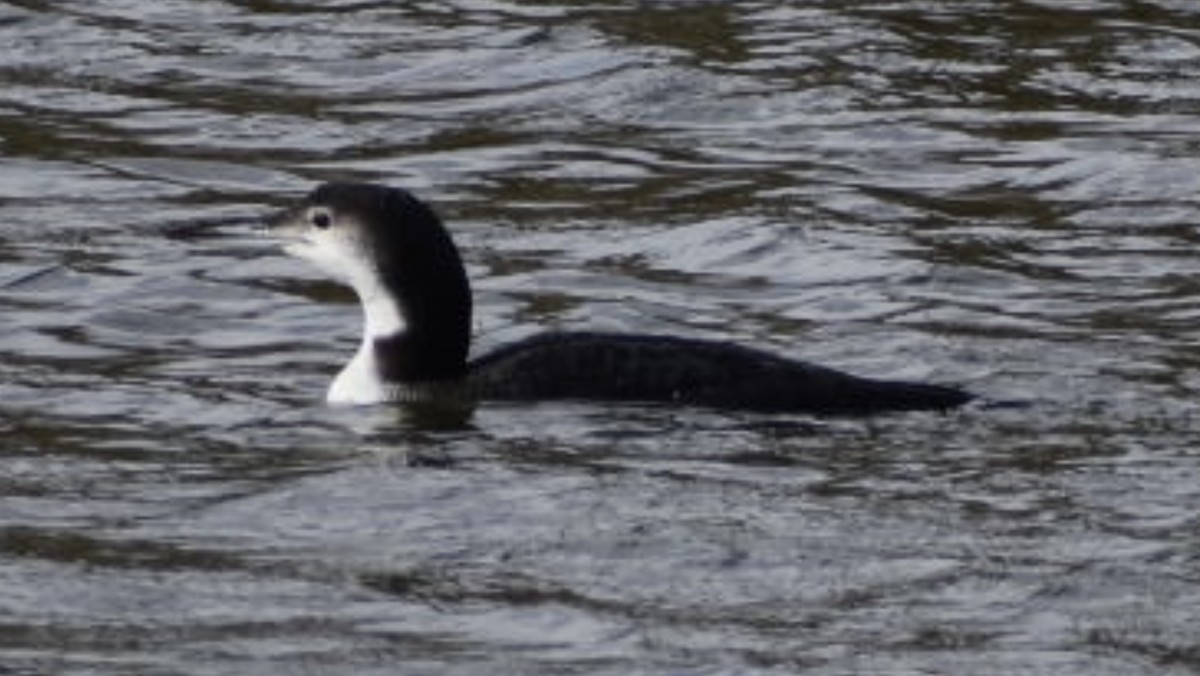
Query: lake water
point(997, 194)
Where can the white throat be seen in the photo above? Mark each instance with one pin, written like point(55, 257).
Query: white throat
point(360, 382)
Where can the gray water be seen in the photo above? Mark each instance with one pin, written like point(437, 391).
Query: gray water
point(997, 194)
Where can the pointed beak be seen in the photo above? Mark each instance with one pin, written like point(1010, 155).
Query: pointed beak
point(285, 225)
point(278, 219)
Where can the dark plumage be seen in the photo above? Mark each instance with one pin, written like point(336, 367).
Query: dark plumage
point(623, 367)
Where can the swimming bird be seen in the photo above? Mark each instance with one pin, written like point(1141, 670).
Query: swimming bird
point(396, 254)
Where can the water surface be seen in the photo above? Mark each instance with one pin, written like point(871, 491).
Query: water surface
point(998, 194)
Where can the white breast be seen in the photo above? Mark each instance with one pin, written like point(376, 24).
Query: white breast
point(359, 381)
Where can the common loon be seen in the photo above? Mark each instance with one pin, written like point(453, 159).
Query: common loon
point(400, 260)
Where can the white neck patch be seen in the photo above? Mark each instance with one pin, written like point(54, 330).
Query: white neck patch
point(360, 382)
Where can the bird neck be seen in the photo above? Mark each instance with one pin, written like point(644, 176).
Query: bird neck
point(403, 351)
point(413, 331)
point(383, 317)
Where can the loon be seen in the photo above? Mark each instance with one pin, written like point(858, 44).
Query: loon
point(393, 250)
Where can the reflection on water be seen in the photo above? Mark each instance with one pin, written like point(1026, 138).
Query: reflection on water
point(1001, 195)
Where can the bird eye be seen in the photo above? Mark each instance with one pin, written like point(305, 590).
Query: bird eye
point(320, 219)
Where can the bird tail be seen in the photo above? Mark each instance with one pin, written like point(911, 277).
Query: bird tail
point(891, 395)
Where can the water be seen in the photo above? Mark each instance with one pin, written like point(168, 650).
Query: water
point(998, 194)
